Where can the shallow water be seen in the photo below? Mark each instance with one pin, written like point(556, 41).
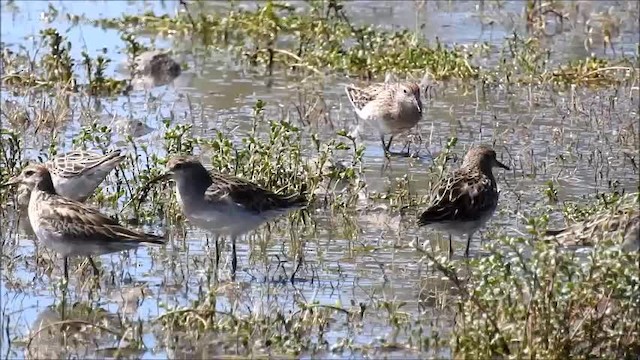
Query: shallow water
point(361, 256)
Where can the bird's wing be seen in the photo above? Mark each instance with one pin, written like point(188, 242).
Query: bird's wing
point(360, 97)
point(244, 193)
point(77, 220)
point(76, 162)
point(462, 196)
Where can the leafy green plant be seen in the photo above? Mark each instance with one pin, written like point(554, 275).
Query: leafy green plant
point(534, 299)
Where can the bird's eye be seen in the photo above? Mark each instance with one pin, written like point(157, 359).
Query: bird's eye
point(29, 173)
point(405, 91)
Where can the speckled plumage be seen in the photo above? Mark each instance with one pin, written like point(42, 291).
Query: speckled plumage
point(72, 228)
point(391, 108)
point(621, 224)
point(158, 65)
point(467, 197)
point(152, 68)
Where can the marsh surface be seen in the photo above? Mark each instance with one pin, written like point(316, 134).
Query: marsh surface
point(582, 140)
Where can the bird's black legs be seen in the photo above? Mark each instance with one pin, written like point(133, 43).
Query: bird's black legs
point(96, 271)
point(218, 251)
point(385, 147)
point(466, 252)
point(65, 288)
point(66, 269)
point(389, 144)
point(234, 258)
point(450, 247)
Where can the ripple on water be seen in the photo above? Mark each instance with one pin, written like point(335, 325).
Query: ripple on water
point(363, 256)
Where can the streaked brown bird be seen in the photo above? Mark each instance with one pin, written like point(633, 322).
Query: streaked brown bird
point(466, 198)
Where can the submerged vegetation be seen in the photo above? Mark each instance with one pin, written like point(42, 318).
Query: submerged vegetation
point(350, 275)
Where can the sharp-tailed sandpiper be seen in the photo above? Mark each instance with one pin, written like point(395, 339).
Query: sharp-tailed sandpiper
point(622, 225)
point(72, 228)
point(467, 198)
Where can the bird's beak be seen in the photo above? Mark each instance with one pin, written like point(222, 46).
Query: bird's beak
point(13, 181)
point(142, 193)
point(498, 163)
point(163, 177)
point(419, 106)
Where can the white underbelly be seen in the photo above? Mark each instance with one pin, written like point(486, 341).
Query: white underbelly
point(231, 220)
point(227, 221)
point(461, 228)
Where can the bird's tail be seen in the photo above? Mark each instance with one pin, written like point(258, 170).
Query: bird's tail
point(554, 232)
point(423, 222)
point(300, 200)
point(114, 157)
point(154, 239)
point(352, 94)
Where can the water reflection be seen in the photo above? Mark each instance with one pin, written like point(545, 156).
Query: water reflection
point(363, 255)
point(81, 330)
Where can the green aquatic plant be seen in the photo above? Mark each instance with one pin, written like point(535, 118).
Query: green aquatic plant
point(551, 192)
point(270, 154)
point(533, 299)
point(99, 84)
point(605, 202)
point(57, 69)
point(58, 64)
point(258, 330)
point(276, 35)
point(323, 38)
point(524, 60)
point(11, 153)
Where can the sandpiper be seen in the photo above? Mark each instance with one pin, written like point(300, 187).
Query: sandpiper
point(72, 228)
point(76, 174)
point(391, 108)
point(623, 224)
point(155, 68)
point(224, 204)
point(467, 198)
